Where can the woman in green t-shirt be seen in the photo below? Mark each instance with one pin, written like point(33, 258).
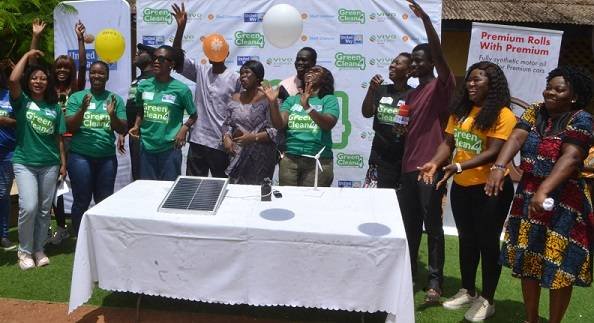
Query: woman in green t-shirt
point(92, 116)
point(39, 156)
point(308, 118)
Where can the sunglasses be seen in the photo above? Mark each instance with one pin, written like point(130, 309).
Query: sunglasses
point(162, 59)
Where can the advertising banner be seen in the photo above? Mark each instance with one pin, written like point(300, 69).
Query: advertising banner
point(526, 55)
point(354, 39)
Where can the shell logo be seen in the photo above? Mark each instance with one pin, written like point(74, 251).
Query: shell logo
point(405, 38)
point(211, 16)
point(304, 15)
point(404, 16)
point(203, 61)
point(304, 38)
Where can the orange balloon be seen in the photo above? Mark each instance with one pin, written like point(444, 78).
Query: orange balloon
point(215, 47)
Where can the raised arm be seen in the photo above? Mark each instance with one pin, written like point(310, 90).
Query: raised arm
point(323, 120)
point(73, 122)
point(37, 27)
point(14, 81)
point(368, 107)
point(181, 17)
point(441, 65)
point(80, 29)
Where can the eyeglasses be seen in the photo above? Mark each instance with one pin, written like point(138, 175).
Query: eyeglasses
point(162, 59)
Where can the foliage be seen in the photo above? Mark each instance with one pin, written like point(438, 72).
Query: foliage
point(16, 17)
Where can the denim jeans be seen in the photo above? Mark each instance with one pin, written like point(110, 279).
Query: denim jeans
point(6, 178)
point(37, 187)
point(163, 166)
point(91, 178)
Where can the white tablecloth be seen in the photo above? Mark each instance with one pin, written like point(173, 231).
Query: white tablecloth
point(332, 248)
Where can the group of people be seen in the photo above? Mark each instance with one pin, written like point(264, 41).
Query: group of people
point(240, 127)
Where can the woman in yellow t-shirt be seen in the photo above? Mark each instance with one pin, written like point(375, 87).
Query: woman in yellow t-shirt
point(478, 126)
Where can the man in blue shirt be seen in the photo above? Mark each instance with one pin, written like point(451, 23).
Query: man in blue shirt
point(7, 144)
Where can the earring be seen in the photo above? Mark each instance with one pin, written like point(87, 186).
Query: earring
point(573, 101)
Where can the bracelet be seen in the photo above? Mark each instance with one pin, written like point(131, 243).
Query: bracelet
point(498, 167)
point(458, 168)
point(309, 110)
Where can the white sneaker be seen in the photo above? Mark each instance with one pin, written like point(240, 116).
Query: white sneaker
point(41, 259)
point(461, 299)
point(59, 235)
point(480, 310)
point(25, 260)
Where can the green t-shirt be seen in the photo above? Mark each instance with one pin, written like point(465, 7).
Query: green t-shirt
point(38, 123)
point(94, 138)
point(164, 105)
point(304, 136)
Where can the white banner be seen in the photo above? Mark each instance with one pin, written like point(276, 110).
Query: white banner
point(355, 39)
point(526, 55)
point(97, 15)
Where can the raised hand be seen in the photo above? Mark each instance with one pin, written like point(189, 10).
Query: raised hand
point(180, 14)
point(79, 29)
point(416, 8)
point(427, 172)
point(111, 106)
point(38, 26)
point(86, 101)
point(270, 93)
point(375, 82)
point(307, 93)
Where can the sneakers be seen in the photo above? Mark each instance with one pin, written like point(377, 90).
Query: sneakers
point(461, 299)
point(59, 235)
point(41, 259)
point(480, 310)
point(432, 296)
point(25, 260)
point(7, 245)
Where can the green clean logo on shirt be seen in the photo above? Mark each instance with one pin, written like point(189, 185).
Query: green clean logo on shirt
point(386, 114)
point(468, 141)
point(41, 123)
point(156, 113)
point(302, 122)
point(96, 120)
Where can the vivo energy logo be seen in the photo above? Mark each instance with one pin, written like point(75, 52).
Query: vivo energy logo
point(349, 61)
point(351, 16)
point(383, 38)
point(156, 16)
point(349, 160)
point(246, 39)
point(380, 62)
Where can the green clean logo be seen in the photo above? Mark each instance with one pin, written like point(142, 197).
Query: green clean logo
point(243, 39)
point(351, 16)
point(349, 160)
point(349, 61)
point(157, 16)
point(342, 129)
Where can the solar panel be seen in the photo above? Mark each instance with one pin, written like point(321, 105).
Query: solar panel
point(197, 195)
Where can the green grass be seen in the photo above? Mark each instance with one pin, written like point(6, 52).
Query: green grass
point(52, 283)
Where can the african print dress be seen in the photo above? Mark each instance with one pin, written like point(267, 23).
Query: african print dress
point(553, 247)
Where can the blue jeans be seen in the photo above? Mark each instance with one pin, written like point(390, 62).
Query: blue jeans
point(163, 166)
point(37, 187)
point(6, 178)
point(91, 178)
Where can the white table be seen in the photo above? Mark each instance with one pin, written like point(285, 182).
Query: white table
point(332, 249)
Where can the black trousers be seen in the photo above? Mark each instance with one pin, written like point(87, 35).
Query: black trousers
point(479, 220)
point(420, 204)
point(202, 159)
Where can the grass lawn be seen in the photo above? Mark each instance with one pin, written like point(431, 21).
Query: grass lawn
point(52, 283)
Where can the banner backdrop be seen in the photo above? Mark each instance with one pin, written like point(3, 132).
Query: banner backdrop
point(526, 55)
point(355, 39)
point(97, 15)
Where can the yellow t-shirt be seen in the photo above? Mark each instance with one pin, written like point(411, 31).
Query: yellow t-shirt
point(471, 142)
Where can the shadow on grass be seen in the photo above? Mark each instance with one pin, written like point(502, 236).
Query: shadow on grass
point(212, 312)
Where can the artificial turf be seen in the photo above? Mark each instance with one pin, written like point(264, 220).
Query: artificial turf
point(52, 283)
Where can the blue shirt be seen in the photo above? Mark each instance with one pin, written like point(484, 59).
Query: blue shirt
point(7, 134)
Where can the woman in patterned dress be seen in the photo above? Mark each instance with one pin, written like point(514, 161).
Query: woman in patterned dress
point(550, 249)
point(248, 135)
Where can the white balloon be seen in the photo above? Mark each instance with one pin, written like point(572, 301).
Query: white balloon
point(282, 25)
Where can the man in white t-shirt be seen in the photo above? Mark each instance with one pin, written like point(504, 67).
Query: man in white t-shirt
point(215, 84)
